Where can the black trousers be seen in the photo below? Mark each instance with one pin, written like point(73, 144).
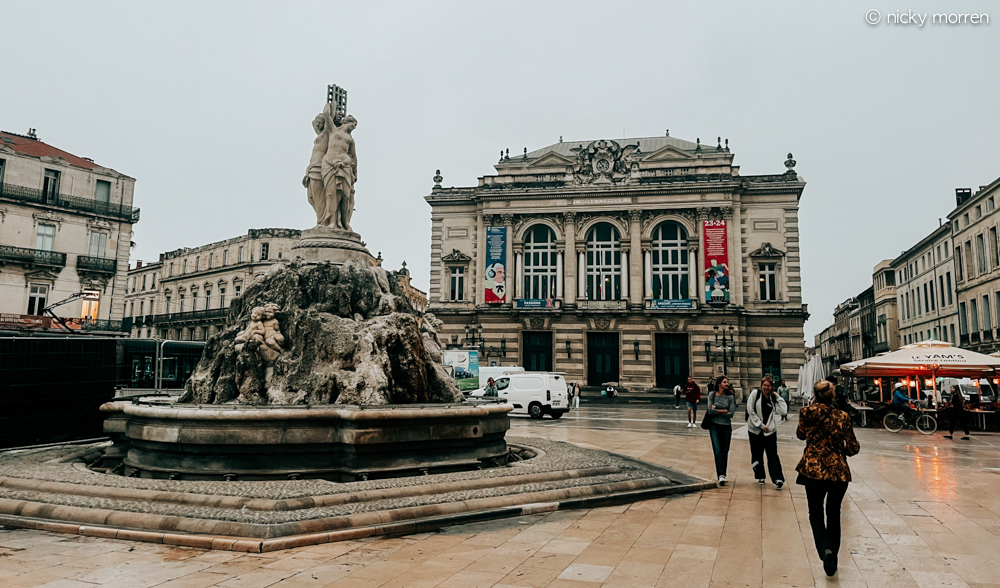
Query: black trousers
point(956, 417)
point(759, 446)
point(825, 518)
point(722, 437)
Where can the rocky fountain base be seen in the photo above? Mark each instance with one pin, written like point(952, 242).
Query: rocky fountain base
point(323, 371)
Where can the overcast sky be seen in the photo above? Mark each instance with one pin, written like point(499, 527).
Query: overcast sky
point(209, 104)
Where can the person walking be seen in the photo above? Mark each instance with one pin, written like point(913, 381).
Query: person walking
point(576, 396)
point(957, 414)
point(692, 396)
point(677, 395)
point(721, 406)
point(786, 395)
point(764, 408)
point(823, 469)
point(490, 389)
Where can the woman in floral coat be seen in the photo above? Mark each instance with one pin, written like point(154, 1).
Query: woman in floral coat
point(823, 469)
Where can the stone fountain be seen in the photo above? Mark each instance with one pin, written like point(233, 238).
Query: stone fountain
point(324, 369)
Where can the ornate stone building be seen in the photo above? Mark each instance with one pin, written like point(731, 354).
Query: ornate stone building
point(65, 230)
point(417, 296)
point(925, 285)
point(618, 260)
point(974, 226)
point(186, 294)
point(886, 318)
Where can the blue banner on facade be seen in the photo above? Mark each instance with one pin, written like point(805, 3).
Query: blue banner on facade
point(536, 303)
point(658, 303)
point(495, 274)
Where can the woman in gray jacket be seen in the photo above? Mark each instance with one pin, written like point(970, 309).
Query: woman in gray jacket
point(721, 406)
point(764, 407)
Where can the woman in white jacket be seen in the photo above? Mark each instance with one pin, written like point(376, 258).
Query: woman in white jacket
point(765, 407)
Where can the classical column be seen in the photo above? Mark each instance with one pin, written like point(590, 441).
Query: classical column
point(635, 232)
point(625, 275)
point(693, 284)
point(559, 275)
point(475, 282)
point(517, 290)
point(569, 230)
point(735, 256)
point(508, 223)
point(581, 270)
point(648, 282)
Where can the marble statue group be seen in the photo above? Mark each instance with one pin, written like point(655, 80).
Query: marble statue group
point(333, 169)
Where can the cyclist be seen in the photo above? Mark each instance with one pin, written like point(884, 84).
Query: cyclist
point(901, 402)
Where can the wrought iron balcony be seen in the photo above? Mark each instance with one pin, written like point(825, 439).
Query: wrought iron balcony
point(97, 264)
point(119, 211)
point(193, 315)
point(31, 257)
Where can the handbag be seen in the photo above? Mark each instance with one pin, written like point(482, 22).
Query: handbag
point(706, 421)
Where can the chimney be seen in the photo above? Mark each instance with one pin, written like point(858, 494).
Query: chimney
point(162, 256)
point(138, 264)
point(962, 195)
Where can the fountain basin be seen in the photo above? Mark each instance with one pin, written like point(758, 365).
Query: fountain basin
point(333, 442)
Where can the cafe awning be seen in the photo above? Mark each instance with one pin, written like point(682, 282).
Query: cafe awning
point(925, 359)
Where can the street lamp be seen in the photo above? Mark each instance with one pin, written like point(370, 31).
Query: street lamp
point(724, 345)
point(474, 335)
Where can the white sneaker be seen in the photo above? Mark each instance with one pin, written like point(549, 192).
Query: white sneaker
point(761, 482)
point(779, 484)
point(722, 481)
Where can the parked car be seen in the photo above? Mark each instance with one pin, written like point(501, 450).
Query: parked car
point(461, 373)
point(535, 394)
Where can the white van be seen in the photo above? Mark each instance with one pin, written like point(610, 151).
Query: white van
point(535, 393)
point(495, 372)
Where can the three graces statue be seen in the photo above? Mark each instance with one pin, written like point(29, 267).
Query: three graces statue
point(333, 169)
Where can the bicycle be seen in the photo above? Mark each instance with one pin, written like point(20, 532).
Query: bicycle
point(923, 422)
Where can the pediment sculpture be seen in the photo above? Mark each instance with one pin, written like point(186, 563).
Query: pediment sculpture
point(605, 162)
point(456, 255)
point(766, 251)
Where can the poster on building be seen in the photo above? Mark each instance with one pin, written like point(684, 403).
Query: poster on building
point(495, 275)
point(24, 321)
point(465, 366)
point(662, 304)
point(716, 262)
point(536, 303)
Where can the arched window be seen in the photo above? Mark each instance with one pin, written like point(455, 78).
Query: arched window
point(539, 263)
point(670, 262)
point(604, 263)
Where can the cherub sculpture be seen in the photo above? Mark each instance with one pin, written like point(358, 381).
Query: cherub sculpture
point(255, 330)
point(272, 331)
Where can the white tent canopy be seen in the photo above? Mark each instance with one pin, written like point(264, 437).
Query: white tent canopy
point(927, 358)
point(810, 373)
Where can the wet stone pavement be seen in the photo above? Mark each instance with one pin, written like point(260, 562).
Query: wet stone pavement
point(922, 511)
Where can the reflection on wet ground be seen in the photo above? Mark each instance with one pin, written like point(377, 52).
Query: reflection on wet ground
point(921, 511)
